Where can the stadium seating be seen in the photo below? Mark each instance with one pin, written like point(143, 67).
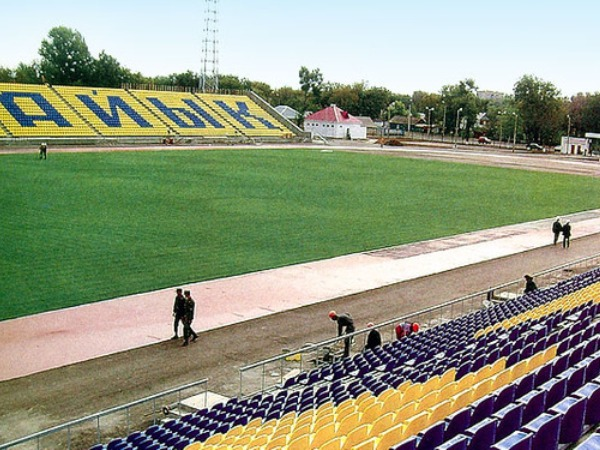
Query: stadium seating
point(37, 111)
point(113, 112)
point(244, 114)
point(448, 387)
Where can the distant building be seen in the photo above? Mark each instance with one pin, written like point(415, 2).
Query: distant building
point(575, 146)
point(333, 122)
point(288, 112)
point(491, 95)
point(372, 128)
point(399, 124)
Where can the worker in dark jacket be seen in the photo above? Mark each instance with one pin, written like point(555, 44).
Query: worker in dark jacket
point(188, 318)
point(556, 229)
point(373, 338)
point(566, 231)
point(530, 285)
point(178, 311)
point(345, 324)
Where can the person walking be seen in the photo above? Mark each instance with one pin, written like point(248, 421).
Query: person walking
point(566, 231)
point(43, 150)
point(373, 338)
point(530, 285)
point(178, 311)
point(345, 326)
point(188, 318)
point(556, 229)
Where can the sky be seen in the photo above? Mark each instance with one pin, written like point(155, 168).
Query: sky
point(404, 46)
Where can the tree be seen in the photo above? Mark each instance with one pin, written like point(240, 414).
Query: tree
point(66, 58)
point(107, 72)
point(6, 75)
point(463, 97)
point(28, 73)
point(590, 114)
point(539, 108)
point(311, 82)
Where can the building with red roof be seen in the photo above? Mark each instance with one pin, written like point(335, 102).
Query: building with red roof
point(334, 122)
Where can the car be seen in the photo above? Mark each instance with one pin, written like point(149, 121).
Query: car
point(558, 148)
point(484, 140)
point(535, 146)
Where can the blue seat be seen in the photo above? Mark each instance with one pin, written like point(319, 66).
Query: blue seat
point(407, 444)
point(483, 434)
point(556, 390)
point(431, 437)
point(509, 418)
point(505, 396)
point(575, 378)
point(518, 440)
point(534, 403)
point(483, 408)
point(590, 391)
point(543, 374)
point(457, 423)
point(546, 431)
point(572, 411)
point(525, 385)
point(459, 442)
point(591, 443)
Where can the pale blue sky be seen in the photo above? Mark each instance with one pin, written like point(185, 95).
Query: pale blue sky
point(401, 45)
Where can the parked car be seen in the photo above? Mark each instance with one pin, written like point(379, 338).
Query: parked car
point(484, 140)
point(535, 146)
point(558, 148)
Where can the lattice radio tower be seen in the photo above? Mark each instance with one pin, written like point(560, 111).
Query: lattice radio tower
point(209, 79)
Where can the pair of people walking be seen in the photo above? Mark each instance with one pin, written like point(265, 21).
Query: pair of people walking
point(183, 311)
point(565, 229)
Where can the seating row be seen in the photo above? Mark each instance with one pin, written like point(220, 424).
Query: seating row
point(41, 110)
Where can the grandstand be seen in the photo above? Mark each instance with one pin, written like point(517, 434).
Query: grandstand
point(54, 112)
point(521, 374)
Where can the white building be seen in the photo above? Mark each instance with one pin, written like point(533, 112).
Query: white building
point(333, 122)
point(574, 145)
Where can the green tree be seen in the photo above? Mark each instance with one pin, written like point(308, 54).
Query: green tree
point(590, 114)
point(287, 96)
point(6, 75)
point(262, 89)
point(463, 97)
point(66, 58)
point(28, 74)
point(311, 83)
point(539, 108)
point(107, 72)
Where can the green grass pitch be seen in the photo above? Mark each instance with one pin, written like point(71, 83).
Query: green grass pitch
point(83, 227)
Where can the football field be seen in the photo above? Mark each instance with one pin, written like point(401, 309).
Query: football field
point(83, 227)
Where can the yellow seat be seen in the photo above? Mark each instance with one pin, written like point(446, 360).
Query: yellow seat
point(276, 442)
point(369, 444)
point(382, 423)
point(482, 388)
point(407, 411)
point(322, 433)
point(417, 424)
point(462, 399)
point(432, 384)
point(392, 402)
point(214, 439)
point(194, 446)
point(391, 436)
point(428, 401)
point(345, 408)
point(441, 411)
point(301, 442)
point(448, 391)
point(448, 376)
point(465, 382)
point(371, 413)
point(333, 444)
point(521, 368)
point(412, 393)
point(359, 434)
point(502, 379)
point(348, 423)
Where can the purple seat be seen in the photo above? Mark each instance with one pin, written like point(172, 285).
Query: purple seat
point(505, 396)
point(560, 365)
point(518, 440)
point(576, 355)
point(546, 430)
point(543, 374)
point(432, 436)
point(575, 378)
point(534, 403)
point(593, 367)
point(556, 390)
point(458, 442)
point(483, 434)
point(483, 408)
point(590, 391)
point(457, 423)
point(572, 411)
point(509, 419)
point(525, 385)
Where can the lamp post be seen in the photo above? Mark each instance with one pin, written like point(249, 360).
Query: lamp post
point(458, 111)
point(501, 113)
point(444, 120)
point(515, 132)
point(429, 121)
point(569, 134)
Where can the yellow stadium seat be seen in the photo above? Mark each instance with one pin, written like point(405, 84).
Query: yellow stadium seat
point(448, 377)
point(406, 411)
point(391, 436)
point(371, 412)
point(412, 393)
point(369, 444)
point(276, 442)
point(448, 391)
point(427, 401)
point(441, 411)
point(348, 423)
point(465, 382)
point(432, 384)
point(482, 388)
point(382, 423)
point(502, 379)
point(359, 434)
point(416, 424)
point(322, 433)
point(462, 399)
point(521, 368)
point(333, 444)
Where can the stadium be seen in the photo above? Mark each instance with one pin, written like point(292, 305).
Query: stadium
point(145, 191)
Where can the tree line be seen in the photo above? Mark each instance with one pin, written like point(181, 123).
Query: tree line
point(534, 112)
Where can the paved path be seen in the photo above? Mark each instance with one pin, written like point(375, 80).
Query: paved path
point(55, 339)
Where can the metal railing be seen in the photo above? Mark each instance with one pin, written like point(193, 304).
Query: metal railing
point(115, 422)
point(272, 373)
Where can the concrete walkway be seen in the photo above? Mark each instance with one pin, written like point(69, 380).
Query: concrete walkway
point(55, 339)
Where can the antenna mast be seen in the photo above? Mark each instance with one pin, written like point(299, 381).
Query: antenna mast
point(209, 79)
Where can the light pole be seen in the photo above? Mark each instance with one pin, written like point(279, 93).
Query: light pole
point(569, 134)
point(409, 114)
point(458, 111)
point(444, 120)
point(515, 132)
point(501, 113)
point(429, 121)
